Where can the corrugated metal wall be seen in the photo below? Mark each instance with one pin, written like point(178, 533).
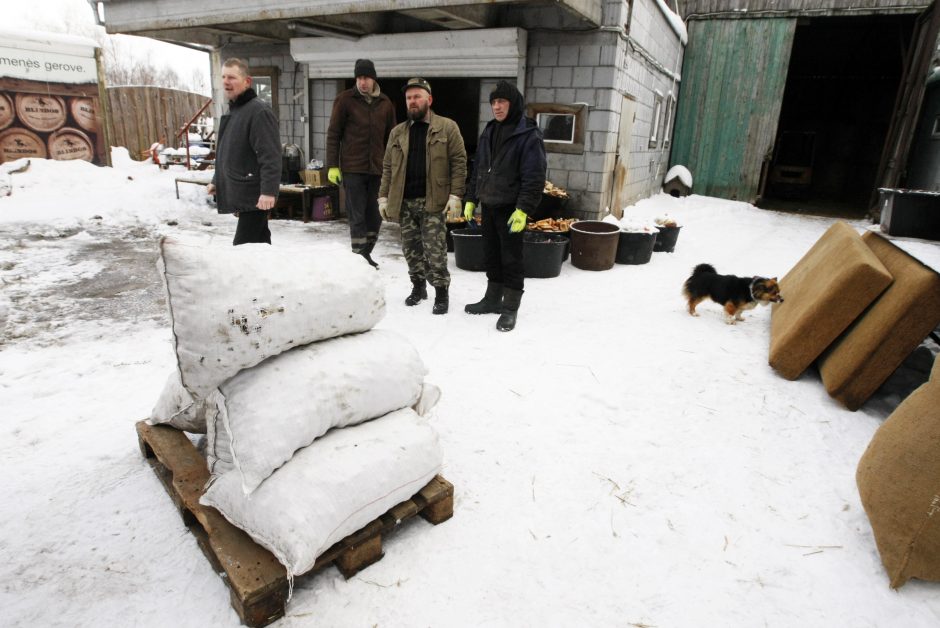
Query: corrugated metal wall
point(734, 73)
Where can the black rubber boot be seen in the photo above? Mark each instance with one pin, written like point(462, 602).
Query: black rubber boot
point(441, 301)
point(419, 292)
point(370, 260)
point(507, 314)
point(490, 302)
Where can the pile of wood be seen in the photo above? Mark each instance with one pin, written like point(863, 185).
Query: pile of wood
point(551, 224)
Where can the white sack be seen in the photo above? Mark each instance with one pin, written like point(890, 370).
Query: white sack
point(233, 306)
point(176, 407)
point(332, 488)
point(259, 418)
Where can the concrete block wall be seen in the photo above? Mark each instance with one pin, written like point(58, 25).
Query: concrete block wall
point(290, 83)
point(574, 68)
point(598, 68)
point(649, 66)
point(322, 93)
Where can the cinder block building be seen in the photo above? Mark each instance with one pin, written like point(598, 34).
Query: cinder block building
point(601, 76)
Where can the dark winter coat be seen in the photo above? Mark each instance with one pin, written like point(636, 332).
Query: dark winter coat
point(513, 176)
point(358, 131)
point(248, 155)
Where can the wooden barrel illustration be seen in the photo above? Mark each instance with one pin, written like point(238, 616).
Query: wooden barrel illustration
point(17, 142)
point(68, 143)
point(7, 115)
point(83, 112)
point(40, 112)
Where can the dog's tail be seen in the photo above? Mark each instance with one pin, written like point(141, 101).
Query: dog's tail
point(704, 268)
point(693, 285)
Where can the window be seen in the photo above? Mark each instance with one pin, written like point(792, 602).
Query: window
point(556, 127)
point(562, 126)
point(264, 82)
point(667, 119)
point(654, 122)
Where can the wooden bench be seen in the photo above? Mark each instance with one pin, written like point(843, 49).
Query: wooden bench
point(304, 193)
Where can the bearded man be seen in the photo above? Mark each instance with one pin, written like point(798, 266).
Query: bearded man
point(423, 176)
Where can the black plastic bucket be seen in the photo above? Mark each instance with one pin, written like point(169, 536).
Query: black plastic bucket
point(543, 254)
point(635, 247)
point(452, 226)
point(468, 249)
point(594, 244)
point(666, 239)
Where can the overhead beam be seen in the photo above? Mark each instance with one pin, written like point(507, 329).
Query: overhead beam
point(132, 16)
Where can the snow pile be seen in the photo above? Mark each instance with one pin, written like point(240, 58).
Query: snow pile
point(699, 487)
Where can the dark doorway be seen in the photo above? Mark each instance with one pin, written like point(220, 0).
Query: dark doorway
point(455, 98)
point(840, 93)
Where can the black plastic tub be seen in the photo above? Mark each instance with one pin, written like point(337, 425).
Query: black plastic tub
point(543, 254)
point(910, 213)
point(666, 239)
point(635, 247)
point(451, 227)
point(468, 249)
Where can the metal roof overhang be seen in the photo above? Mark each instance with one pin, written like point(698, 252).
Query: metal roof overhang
point(216, 23)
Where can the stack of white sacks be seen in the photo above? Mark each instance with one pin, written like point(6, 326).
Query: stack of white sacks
point(275, 354)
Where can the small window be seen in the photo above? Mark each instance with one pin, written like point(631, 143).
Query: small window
point(557, 127)
point(562, 126)
point(667, 119)
point(264, 82)
point(654, 123)
point(936, 128)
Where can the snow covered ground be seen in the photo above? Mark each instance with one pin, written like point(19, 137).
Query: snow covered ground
point(616, 461)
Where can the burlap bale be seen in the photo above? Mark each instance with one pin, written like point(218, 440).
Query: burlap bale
point(898, 481)
point(860, 361)
point(823, 293)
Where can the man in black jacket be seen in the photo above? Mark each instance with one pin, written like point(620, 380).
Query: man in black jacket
point(248, 157)
point(508, 180)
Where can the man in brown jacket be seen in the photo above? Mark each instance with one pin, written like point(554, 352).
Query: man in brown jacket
point(355, 141)
point(423, 177)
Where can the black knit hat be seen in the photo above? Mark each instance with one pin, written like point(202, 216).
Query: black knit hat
point(365, 67)
point(504, 89)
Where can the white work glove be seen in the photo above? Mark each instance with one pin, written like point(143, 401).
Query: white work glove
point(454, 212)
point(383, 208)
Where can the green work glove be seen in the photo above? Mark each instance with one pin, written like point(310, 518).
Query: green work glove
point(335, 176)
point(468, 208)
point(516, 222)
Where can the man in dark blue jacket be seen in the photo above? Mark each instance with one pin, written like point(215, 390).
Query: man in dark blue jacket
point(248, 157)
point(508, 180)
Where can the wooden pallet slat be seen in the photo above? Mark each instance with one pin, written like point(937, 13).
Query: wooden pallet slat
point(257, 581)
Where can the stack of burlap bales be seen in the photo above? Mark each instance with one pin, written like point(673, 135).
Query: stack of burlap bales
point(856, 306)
point(310, 415)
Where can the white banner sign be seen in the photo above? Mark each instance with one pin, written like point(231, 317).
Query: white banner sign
point(46, 66)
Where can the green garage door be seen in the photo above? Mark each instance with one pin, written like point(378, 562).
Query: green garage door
point(733, 77)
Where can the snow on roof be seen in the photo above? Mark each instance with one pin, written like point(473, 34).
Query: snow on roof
point(674, 21)
point(49, 42)
point(682, 173)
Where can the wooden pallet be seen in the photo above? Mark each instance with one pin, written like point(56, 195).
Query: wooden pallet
point(257, 581)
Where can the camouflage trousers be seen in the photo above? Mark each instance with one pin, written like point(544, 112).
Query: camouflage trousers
point(424, 243)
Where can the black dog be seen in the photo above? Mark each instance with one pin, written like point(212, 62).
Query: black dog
point(735, 294)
